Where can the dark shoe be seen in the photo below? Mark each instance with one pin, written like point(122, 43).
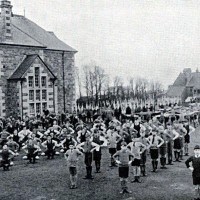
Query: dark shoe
point(134, 181)
point(71, 187)
point(144, 174)
point(91, 177)
point(178, 160)
point(163, 167)
point(170, 163)
point(127, 191)
point(86, 177)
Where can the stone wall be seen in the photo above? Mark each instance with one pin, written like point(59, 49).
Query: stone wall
point(54, 60)
point(13, 97)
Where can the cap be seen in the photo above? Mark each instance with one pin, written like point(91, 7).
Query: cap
point(197, 147)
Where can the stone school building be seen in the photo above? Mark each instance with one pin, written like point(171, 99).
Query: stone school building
point(36, 68)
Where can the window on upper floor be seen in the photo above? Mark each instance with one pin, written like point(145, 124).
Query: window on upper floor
point(31, 95)
point(37, 76)
point(44, 95)
point(30, 81)
point(37, 95)
point(44, 106)
point(38, 107)
point(44, 81)
point(31, 108)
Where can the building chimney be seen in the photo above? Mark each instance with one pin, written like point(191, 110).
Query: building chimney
point(6, 14)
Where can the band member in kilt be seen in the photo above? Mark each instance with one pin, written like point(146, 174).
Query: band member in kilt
point(87, 147)
point(123, 158)
point(155, 143)
point(195, 168)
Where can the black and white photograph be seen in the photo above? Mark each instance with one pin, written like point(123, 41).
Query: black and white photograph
point(99, 99)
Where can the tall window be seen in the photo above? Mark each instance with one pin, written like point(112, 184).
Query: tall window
point(44, 95)
point(31, 95)
point(37, 76)
point(44, 106)
point(44, 81)
point(32, 108)
point(38, 107)
point(30, 81)
point(37, 95)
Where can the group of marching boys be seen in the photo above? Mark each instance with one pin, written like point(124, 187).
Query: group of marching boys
point(128, 143)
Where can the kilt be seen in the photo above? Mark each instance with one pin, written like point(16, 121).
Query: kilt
point(177, 143)
point(154, 153)
point(72, 171)
point(136, 162)
point(123, 172)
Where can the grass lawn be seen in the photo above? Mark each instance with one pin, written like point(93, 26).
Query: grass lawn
point(49, 180)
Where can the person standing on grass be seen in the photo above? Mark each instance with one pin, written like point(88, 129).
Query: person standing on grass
point(101, 141)
point(123, 158)
point(71, 156)
point(145, 142)
point(195, 168)
point(88, 147)
point(113, 138)
point(137, 148)
point(155, 143)
point(163, 148)
point(189, 131)
point(173, 135)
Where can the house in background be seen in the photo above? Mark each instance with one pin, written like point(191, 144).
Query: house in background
point(187, 85)
point(36, 68)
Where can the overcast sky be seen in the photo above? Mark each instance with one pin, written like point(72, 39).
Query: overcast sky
point(148, 38)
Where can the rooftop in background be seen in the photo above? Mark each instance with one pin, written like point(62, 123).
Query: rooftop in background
point(24, 32)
